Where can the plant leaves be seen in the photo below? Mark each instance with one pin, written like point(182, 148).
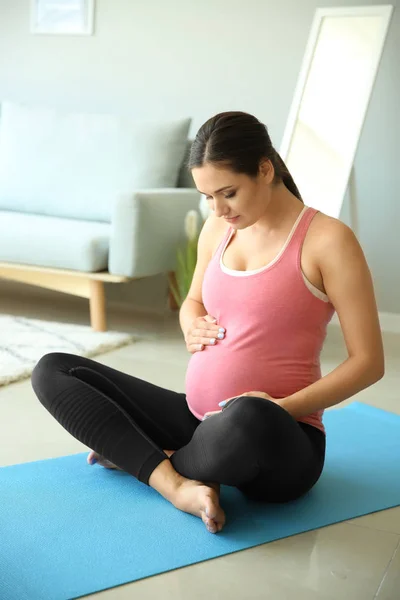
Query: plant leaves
point(186, 264)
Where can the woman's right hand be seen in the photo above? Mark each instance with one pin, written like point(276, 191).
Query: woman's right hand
point(204, 331)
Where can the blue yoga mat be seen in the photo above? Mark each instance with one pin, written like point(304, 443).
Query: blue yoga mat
point(68, 529)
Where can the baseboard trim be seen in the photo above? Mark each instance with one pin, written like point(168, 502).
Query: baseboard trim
point(390, 322)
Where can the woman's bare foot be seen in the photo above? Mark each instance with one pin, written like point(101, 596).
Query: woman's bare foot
point(202, 500)
point(195, 497)
point(94, 457)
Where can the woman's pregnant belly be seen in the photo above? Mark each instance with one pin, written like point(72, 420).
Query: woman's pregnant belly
point(219, 372)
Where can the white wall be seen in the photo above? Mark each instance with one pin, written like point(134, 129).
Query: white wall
point(162, 57)
point(185, 57)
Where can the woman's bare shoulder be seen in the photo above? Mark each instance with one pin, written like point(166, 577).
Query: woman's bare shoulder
point(328, 237)
point(327, 231)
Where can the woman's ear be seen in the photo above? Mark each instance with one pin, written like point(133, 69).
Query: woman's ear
point(266, 170)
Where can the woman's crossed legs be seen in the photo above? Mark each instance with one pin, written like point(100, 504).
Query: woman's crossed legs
point(253, 444)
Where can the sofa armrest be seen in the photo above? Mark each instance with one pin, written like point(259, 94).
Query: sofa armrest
point(146, 229)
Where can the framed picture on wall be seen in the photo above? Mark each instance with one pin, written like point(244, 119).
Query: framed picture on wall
point(62, 17)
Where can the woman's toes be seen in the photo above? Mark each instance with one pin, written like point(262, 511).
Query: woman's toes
point(210, 509)
point(92, 457)
point(210, 524)
point(214, 516)
point(95, 457)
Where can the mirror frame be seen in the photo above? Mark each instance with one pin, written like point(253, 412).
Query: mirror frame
point(384, 11)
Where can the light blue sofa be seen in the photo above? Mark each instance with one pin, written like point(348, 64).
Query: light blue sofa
point(88, 198)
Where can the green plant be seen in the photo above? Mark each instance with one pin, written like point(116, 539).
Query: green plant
point(186, 259)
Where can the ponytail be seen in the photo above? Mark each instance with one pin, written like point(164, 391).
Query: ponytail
point(282, 172)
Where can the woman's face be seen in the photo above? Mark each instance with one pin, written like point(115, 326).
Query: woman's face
point(239, 199)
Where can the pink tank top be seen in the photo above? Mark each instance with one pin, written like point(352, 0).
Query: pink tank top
point(275, 325)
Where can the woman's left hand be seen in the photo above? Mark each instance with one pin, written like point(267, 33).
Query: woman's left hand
point(225, 402)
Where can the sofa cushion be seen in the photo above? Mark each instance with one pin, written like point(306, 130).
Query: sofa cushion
point(73, 165)
point(54, 242)
point(185, 179)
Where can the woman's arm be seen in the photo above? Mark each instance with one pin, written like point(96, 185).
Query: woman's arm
point(348, 284)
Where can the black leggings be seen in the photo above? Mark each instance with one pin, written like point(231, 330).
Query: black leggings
point(253, 444)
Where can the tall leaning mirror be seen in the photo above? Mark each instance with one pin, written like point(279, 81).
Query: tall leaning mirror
point(331, 99)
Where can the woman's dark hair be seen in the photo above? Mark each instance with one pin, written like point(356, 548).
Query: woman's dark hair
point(239, 141)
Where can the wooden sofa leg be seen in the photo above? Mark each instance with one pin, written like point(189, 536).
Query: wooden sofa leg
point(97, 305)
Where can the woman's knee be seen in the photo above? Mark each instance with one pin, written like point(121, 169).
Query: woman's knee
point(258, 419)
point(244, 409)
point(46, 368)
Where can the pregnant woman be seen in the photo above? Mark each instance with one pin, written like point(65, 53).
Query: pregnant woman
point(269, 276)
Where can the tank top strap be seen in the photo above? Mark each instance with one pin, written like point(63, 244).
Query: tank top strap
point(296, 242)
point(222, 244)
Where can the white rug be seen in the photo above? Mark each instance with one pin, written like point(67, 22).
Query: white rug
point(24, 341)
